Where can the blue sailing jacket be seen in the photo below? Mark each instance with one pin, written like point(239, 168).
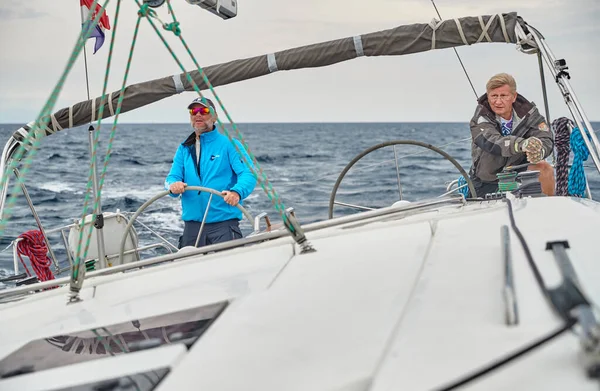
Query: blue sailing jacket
point(220, 168)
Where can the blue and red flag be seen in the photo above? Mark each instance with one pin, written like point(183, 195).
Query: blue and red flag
point(87, 16)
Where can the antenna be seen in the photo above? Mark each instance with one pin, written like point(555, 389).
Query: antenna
point(87, 83)
point(459, 60)
point(99, 217)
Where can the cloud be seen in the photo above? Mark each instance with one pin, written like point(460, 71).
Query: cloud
point(6, 14)
point(19, 12)
point(400, 88)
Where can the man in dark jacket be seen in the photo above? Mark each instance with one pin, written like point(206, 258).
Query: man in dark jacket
point(506, 130)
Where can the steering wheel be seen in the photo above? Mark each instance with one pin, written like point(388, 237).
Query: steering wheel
point(161, 195)
point(388, 144)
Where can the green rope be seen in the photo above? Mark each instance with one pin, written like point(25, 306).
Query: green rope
point(115, 121)
point(262, 180)
point(103, 338)
point(35, 135)
point(32, 141)
point(145, 10)
point(77, 265)
point(173, 27)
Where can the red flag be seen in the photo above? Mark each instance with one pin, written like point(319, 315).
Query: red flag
point(88, 17)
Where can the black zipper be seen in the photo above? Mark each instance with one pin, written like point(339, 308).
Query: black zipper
point(196, 159)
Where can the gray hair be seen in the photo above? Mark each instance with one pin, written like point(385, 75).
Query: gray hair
point(500, 80)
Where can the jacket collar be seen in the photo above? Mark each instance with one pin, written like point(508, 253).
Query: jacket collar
point(521, 106)
point(207, 136)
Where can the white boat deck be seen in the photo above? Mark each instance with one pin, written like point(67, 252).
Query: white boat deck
point(399, 303)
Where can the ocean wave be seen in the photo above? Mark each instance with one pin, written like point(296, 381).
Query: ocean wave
point(272, 158)
point(133, 161)
point(46, 199)
point(56, 186)
point(56, 156)
point(302, 161)
point(122, 191)
point(125, 203)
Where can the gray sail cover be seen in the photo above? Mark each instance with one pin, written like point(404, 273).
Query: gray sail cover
point(407, 39)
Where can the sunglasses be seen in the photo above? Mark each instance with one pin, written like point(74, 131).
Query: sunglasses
point(200, 109)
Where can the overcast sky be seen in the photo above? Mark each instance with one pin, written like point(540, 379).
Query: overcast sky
point(37, 36)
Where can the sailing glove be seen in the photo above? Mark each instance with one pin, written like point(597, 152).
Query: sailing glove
point(534, 149)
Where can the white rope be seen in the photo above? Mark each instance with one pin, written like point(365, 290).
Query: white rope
point(461, 32)
point(48, 131)
point(524, 39)
point(96, 344)
point(110, 105)
point(9, 246)
point(124, 345)
point(74, 345)
point(484, 28)
point(45, 128)
point(358, 46)
point(503, 25)
point(434, 24)
point(272, 62)
point(88, 346)
point(55, 125)
point(14, 141)
point(453, 190)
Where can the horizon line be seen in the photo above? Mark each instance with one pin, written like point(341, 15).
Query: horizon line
point(284, 122)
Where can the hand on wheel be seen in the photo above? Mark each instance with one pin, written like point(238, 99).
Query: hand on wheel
point(231, 197)
point(177, 187)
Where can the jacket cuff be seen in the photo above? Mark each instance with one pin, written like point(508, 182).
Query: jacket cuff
point(517, 146)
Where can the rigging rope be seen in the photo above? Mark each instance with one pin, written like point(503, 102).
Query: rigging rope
point(78, 271)
point(79, 266)
point(457, 56)
point(262, 180)
point(29, 145)
point(464, 190)
point(561, 128)
point(34, 247)
point(580, 154)
point(462, 187)
point(257, 170)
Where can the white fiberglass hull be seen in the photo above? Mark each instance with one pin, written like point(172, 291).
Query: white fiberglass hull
point(401, 301)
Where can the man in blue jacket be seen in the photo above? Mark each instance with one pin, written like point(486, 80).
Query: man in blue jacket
point(207, 158)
